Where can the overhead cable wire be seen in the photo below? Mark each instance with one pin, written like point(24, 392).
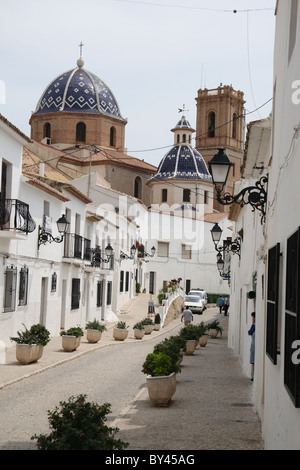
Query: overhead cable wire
point(186, 7)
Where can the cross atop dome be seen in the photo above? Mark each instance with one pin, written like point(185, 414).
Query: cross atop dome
point(80, 61)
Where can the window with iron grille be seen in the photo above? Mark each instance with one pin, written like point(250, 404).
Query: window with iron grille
point(10, 289)
point(121, 281)
point(127, 281)
point(109, 293)
point(75, 301)
point(272, 303)
point(99, 293)
point(53, 282)
point(292, 317)
point(23, 286)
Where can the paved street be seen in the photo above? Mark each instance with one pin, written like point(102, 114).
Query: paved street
point(211, 409)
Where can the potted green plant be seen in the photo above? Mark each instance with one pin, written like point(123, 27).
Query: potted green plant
point(157, 321)
point(203, 334)
point(71, 338)
point(94, 331)
point(160, 297)
point(214, 328)
point(161, 372)
point(120, 331)
point(30, 343)
point(81, 425)
point(191, 337)
point(148, 324)
point(139, 330)
point(171, 346)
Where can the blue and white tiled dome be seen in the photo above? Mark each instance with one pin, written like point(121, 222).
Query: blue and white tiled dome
point(183, 161)
point(80, 91)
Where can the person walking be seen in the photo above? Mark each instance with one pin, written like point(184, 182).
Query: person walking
point(220, 303)
point(226, 306)
point(187, 316)
point(251, 332)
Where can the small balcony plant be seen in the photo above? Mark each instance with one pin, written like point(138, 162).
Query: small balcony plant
point(79, 425)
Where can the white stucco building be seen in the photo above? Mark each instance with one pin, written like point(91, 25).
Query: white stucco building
point(272, 249)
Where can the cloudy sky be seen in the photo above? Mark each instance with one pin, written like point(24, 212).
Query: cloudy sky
point(154, 55)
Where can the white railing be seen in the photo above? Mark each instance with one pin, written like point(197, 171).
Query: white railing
point(170, 297)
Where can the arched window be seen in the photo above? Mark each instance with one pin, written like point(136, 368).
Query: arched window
point(112, 137)
point(47, 130)
point(164, 195)
point(211, 124)
point(234, 125)
point(184, 138)
point(178, 138)
point(138, 187)
point(80, 132)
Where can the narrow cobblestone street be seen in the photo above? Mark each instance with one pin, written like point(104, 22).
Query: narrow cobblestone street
point(211, 409)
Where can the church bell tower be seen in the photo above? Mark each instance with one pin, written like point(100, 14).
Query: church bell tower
point(220, 123)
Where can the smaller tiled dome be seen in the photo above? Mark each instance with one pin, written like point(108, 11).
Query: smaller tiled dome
point(183, 161)
point(183, 124)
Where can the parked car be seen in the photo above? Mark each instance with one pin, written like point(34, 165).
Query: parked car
point(195, 303)
point(202, 293)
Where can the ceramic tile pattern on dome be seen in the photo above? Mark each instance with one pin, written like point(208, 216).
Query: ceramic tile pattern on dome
point(182, 161)
point(78, 91)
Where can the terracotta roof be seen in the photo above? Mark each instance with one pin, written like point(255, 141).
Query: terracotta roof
point(214, 217)
point(110, 156)
point(31, 166)
point(47, 188)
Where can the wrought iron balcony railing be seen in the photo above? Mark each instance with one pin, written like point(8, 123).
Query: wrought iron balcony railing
point(77, 247)
point(15, 215)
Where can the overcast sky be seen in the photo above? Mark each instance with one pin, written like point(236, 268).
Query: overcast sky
point(154, 56)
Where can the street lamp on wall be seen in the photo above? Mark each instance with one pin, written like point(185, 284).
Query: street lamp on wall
point(228, 245)
point(125, 256)
point(256, 196)
point(46, 237)
point(96, 255)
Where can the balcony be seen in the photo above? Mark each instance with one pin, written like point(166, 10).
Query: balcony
point(15, 217)
point(77, 247)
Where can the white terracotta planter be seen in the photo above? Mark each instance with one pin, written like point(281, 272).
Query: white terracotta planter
point(156, 326)
point(138, 334)
point(70, 343)
point(213, 333)
point(93, 336)
point(148, 329)
point(190, 346)
point(27, 353)
point(161, 389)
point(119, 334)
point(203, 341)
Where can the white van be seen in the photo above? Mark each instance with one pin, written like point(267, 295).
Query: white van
point(202, 293)
point(195, 302)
